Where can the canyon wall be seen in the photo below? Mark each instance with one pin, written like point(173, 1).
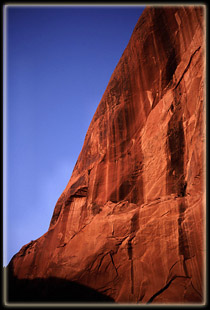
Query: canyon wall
point(130, 224)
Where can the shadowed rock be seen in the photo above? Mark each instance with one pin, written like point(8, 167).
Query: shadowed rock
point(52, 289)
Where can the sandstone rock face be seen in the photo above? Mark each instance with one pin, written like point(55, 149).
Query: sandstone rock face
point(130, 224)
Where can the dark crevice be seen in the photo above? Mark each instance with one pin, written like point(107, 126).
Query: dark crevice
point(81, 192)
point(183, 240)
point(172, 108)
point(135, 222)
point(185, 267)
point(130, 254)
point(133, 229)
point(165, 287)
point(95, 208)
point(166, 42)
point(132, 277)
point(110, 253)
point(186, 69)
point(175, 179)
point(99, 265)
point(196, 290)
point(141, 297)
point(81, 228)
point(170, 68)
point(173, 265)
point(78, 186)
point(90, 266)
point(130, 257)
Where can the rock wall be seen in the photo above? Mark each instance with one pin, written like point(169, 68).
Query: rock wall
point(130, 224)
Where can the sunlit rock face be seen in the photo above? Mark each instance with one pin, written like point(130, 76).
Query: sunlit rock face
point(131, 222)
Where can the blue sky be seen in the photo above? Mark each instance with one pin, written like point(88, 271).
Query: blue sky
point(57, 64)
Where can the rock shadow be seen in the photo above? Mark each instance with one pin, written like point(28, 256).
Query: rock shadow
point(175, 178)
point(51, 289)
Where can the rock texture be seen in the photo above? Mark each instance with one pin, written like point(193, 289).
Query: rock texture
point(130, 224)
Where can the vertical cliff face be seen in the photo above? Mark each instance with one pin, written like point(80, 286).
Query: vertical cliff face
point(131, 222)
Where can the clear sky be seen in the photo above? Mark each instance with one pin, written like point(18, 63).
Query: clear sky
point(57, 64)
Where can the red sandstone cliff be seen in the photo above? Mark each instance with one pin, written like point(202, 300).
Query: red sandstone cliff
point(131, 222)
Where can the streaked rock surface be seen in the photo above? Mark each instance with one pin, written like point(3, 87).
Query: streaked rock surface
point(130, 224)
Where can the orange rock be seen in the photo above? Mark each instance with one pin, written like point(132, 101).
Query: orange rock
point(130, 224)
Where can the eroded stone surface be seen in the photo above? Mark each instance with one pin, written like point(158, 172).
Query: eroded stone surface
point(130, 223)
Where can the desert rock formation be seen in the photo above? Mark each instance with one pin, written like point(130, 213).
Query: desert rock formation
point(130, 223)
